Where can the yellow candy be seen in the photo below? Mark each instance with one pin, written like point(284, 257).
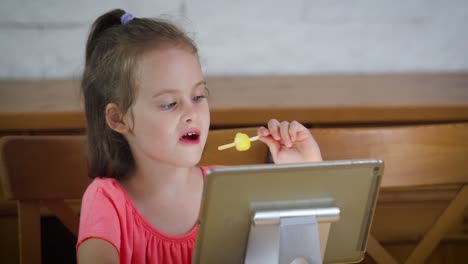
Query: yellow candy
point(242, 142)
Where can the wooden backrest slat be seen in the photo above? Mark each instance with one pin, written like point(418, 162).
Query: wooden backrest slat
point(43, 167)
point(257, 154)
point(51, 167)
point(413, 155)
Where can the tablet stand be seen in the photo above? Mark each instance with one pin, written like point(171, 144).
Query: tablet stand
point(290, 236)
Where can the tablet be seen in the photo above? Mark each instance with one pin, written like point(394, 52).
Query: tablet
point(233, 194)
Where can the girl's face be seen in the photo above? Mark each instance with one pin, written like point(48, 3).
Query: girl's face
point(169, 120)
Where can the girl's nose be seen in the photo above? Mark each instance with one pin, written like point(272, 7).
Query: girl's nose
point(189, 113)
point(188, 120)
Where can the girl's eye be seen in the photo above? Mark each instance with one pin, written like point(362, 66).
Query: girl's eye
point(168, 106)
point(198, 98)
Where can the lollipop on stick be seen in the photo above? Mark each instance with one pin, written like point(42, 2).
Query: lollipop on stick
point(241, 142)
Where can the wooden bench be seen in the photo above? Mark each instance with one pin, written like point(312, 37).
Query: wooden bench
point(423, 196)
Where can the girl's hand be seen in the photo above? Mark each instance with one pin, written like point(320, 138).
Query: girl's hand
point(289, 142)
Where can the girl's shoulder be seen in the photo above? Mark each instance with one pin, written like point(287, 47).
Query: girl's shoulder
point(110, 184)
point(104, 188)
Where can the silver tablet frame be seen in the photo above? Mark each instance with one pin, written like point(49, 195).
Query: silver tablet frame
point(234, 194)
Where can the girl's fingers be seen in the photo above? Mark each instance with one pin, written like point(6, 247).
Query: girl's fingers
point(273, 126)
point(263, 132)
point(294, 128)
point(284, 130)
point(272, 144)
point(284, 133)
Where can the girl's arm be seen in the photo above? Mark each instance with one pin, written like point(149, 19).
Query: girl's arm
point(95, 250)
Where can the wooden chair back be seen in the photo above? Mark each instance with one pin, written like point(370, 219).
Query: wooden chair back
point(47, 170)
point(41, 171)
point(414, 155)
point(424, 191)
point(426, 172)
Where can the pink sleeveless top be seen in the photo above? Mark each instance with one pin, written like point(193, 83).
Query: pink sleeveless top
point(108, 213)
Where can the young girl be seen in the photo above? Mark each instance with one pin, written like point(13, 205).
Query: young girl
point(148, 120)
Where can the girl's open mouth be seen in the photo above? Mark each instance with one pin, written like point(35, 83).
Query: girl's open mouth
point(190, 138)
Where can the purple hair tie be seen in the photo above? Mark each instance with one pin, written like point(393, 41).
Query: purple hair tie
point(125, 18)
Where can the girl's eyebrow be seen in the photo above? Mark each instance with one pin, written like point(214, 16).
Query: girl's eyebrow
point(169, 91)
point(200, 83)
point(166, 91)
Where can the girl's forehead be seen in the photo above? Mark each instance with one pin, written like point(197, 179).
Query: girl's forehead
point(169, 69)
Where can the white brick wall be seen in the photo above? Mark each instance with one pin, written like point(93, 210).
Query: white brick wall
point(45, 39)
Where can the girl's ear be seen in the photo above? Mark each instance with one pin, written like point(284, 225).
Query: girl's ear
point(115, 118)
